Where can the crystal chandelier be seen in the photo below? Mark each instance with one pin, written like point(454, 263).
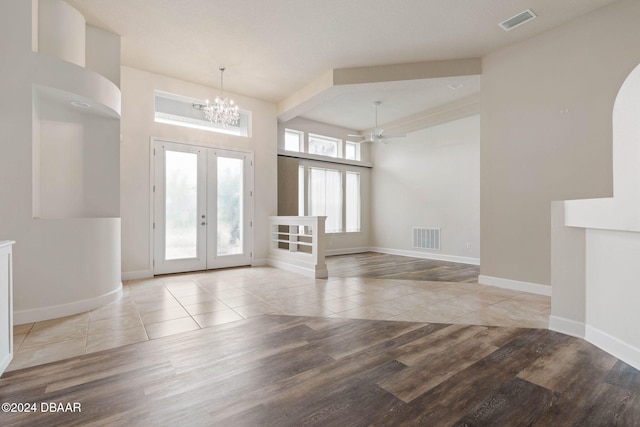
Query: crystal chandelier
point(222, 112)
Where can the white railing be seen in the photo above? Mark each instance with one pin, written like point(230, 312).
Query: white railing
point(298, 244)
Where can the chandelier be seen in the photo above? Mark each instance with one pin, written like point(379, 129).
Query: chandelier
point(222, 112)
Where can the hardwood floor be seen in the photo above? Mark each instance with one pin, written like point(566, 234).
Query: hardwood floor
point(273, 369)
point(385, 266)
point(277, 370)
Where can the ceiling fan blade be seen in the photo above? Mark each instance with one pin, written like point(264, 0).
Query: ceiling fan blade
point(392, 136)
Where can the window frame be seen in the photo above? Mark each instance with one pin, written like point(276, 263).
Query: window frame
point(304, 198)
point(300, 136)
point(196, 120)
point(349, 201)
point(357, 151)
point(318, 137)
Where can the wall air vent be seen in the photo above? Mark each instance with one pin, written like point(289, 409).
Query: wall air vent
point(518, 20)
point(426, 238)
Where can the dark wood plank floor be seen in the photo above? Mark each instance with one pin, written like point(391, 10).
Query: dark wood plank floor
point(293, 371)
point(385, 266)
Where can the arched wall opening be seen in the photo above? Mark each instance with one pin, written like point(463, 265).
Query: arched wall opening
point(595, 247)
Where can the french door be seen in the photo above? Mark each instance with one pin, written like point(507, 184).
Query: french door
point(202, 208)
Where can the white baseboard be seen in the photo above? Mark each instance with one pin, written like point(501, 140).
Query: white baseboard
point(516, 285)
point(309, 272)
point(567, 326)
point(259, 262)
point(135, 275)
point(346, 251)
point(54, 311)
point(427, 255)
point(6, 360)
point(623, 351)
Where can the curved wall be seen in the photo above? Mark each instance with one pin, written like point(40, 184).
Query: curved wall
point(61, 31)
point(73, 266)
point(67, 233)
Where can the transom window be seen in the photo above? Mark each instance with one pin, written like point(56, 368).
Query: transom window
point(297, 141)
point(293, 140)
point(352, 151)
point(178, 110)
point(324, 145)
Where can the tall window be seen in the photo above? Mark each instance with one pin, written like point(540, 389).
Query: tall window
point(325, 197)
point(331, 193)
point(324, 145)
point(293, 140)
point(352, 202)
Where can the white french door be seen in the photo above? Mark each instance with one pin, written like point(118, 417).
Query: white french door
point(202, 208)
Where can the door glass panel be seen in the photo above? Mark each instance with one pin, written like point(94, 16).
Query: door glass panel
point(230, 232)
point(181, 209)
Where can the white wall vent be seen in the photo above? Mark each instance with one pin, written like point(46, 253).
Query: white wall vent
point(426, 238)
point(518, 20)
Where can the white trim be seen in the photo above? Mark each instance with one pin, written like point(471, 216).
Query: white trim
point(6, 253)
point(346, 251)
point(326, 159)
point(258, 262)
point(135, 275)
point(309, 272)
point(428, 255)
point(152, 183)
point(567, 326)
point(62, 310)
point(250, 206)
point(614, 346)
point(6, 360)
point(516, 285)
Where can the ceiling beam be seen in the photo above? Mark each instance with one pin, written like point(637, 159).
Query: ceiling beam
point(412, 71)
point(341, 80)
point(448, 112)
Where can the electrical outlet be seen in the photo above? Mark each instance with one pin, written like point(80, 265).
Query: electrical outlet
point(468, 245)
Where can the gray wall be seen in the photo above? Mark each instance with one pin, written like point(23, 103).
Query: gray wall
point(546, 132)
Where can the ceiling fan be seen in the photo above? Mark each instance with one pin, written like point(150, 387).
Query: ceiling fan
point(378, 134)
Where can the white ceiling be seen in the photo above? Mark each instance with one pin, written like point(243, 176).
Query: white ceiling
point(273, 48)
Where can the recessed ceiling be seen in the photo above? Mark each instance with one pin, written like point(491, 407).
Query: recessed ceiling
point(354, 109)
point(273, 48)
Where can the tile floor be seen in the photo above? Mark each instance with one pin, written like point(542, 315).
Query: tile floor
point(167, 305)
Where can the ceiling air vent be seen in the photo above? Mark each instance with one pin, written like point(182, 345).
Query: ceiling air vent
point(518, 20)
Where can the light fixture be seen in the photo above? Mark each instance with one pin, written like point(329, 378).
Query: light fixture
point(222, 112)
